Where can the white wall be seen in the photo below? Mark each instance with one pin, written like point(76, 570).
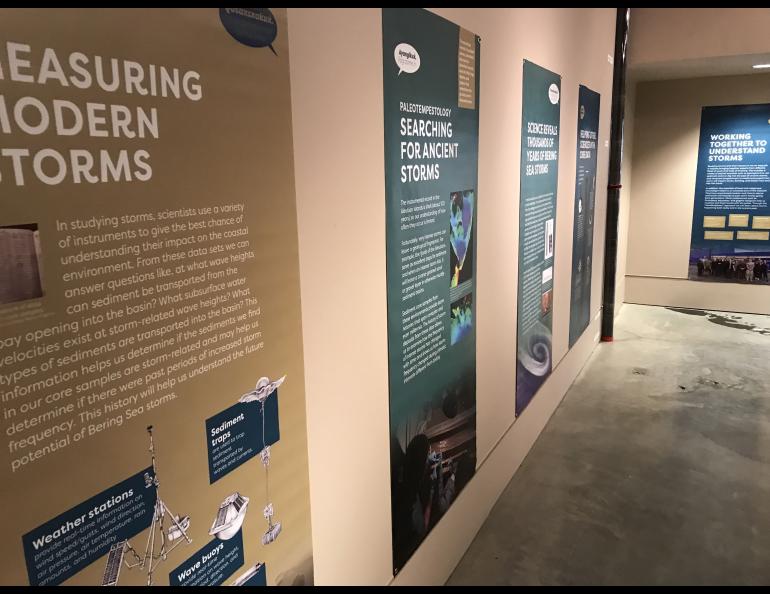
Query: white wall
point(336, 58)
point(665, 156)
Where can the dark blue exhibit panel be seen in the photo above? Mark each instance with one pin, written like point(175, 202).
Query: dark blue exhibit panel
point(211, 565)
point(63, 546)
point(731, 211)
point(235, 435)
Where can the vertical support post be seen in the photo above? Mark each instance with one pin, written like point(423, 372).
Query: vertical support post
point(614, 185)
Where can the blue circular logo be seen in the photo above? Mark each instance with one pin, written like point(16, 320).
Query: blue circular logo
point(255, 27)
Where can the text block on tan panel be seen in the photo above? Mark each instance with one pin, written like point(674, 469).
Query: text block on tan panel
point(760, 222)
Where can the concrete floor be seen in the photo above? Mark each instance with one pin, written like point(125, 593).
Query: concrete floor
point(655, 469)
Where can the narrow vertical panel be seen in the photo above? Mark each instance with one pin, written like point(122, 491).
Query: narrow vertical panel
point(431, 103)
point(585, 201)
point(537, 229)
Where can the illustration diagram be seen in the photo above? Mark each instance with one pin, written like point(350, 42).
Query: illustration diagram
point(230, 516)
point(167, 531)
point(253, 576)
point(263, 390)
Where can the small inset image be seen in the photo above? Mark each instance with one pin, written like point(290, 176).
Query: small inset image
point(461, 315)
point(546, 301)
point(461, 206)
point(548, 252)
point(20, 263)
point(548, 275)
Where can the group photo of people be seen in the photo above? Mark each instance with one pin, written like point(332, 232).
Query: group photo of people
point(433, 456)
point(747, 269)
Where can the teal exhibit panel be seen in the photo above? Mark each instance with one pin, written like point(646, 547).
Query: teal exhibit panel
point(151, 370)
point(431, 116)
point(584, 207)
point(541, 103)
point(730, 239)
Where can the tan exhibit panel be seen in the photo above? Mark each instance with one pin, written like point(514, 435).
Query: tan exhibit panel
point(151, 340)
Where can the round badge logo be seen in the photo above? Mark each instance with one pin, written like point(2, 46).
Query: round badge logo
point(407, 58)
point(553, 93)
point(255, 27)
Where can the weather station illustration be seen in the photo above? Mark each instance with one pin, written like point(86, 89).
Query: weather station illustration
point(167, 531)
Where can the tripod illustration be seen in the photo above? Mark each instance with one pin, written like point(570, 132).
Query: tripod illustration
point(159, 536)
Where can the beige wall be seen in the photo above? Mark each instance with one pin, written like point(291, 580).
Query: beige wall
point(665, 155)
point(338, 132)
point(625, 194)
point(664, 34)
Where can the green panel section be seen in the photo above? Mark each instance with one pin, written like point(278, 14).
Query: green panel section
point(431, 95)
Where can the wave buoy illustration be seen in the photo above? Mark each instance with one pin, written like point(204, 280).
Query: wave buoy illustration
point(230, 516)
point(535, 350)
